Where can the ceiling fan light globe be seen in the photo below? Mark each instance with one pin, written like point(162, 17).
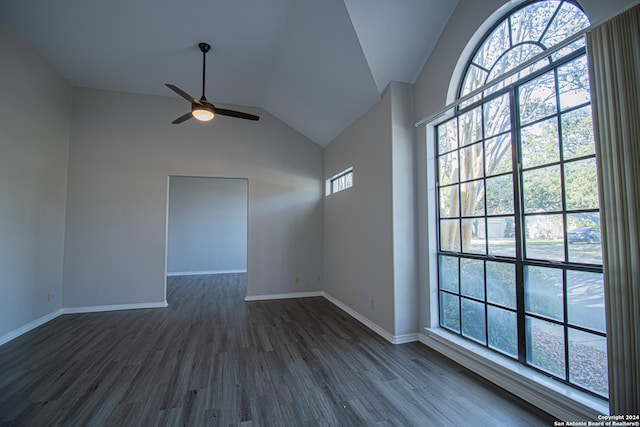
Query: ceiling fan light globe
point(202, 114)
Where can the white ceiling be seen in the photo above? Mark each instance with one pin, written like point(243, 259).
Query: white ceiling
point(317, 65)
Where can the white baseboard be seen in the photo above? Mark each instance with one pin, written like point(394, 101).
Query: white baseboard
point(202, 273)
point(74, 310)
point(406, 338)
point(29, 326)
point(563, 402)
point(116, 307)
point(283, 296)
point(393, 339)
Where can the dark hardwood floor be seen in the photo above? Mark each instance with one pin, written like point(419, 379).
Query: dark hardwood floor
point(212, 359)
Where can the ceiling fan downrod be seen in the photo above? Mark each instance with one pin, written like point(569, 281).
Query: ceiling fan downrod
point(204, 48)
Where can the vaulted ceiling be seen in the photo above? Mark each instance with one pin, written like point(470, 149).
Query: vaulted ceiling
point(317, 65)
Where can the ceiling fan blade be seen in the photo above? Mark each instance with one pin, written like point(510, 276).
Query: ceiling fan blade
point(182, 118)
point(183, 94)
point(237, 114)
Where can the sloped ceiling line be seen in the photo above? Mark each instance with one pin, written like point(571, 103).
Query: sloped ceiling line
point(316, 65)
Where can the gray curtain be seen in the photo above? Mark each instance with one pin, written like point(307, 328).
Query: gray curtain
point(614, 67)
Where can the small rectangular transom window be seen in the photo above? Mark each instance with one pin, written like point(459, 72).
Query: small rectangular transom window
point(340, 182)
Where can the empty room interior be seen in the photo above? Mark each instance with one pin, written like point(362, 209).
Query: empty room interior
point(298, 212)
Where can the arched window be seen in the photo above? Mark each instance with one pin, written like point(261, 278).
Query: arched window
point(523, 34)
point(519, 257)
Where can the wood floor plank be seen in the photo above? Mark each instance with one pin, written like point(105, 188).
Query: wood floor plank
point(210, 358)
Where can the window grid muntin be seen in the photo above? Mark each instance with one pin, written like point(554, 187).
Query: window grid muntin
point(519, 222)
point(340, 182)
point(508, 16)
point(506, 52)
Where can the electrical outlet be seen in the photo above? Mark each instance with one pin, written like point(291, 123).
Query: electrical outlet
point(297, 279)
point(49, 297)
point(373, 304)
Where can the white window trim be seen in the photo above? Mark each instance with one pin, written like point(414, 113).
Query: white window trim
point(562, 401)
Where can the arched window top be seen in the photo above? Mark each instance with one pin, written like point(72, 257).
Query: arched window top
point(518, 37)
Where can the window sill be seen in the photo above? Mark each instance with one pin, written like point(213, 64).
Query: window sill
point(553, 397)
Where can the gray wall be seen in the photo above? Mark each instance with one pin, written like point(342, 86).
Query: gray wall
point(35, 109)
point(123, 149)
point(369, 229)
point(358, 235)
point(403, 161)
point(207, 229)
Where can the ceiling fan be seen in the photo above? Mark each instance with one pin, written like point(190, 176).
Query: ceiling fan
point(201, 109)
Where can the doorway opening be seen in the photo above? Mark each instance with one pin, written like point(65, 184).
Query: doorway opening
point(207, 226)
